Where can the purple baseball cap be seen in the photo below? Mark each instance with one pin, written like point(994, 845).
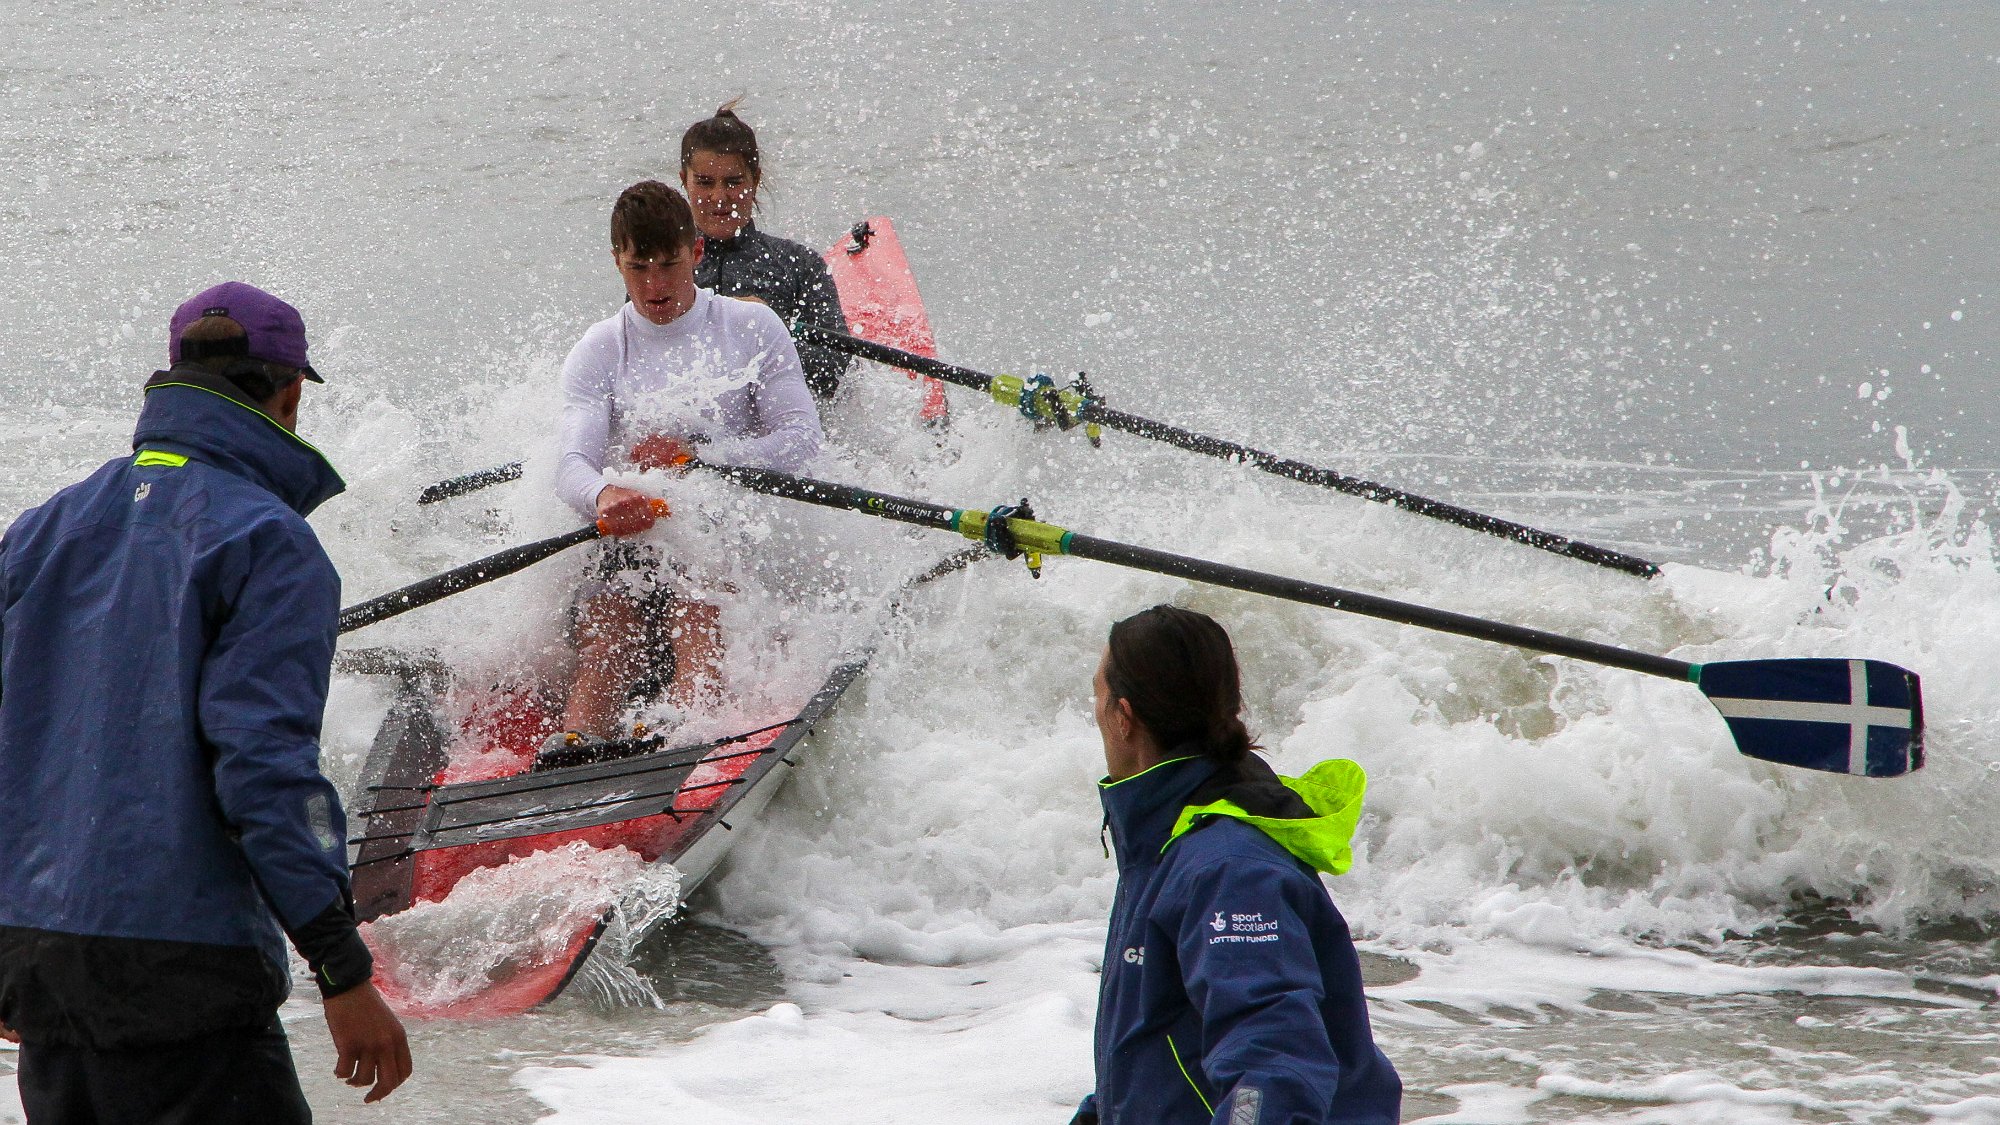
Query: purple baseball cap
point(277, 332)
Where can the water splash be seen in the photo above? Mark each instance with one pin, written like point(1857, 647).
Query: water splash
point(523, 913)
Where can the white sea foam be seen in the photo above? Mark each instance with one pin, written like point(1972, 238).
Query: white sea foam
point(522, 913)
point(1542, 835)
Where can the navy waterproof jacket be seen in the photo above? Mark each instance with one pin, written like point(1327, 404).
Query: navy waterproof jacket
point(167, 632)
point(1231, 991)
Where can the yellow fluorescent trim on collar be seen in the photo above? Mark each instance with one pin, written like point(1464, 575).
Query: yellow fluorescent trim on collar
point(1106, 782)
point(266, 417)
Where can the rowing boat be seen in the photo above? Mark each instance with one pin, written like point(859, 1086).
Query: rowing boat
point(454, 801)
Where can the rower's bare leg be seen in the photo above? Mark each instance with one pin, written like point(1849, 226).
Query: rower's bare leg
point(696, 630)
point(610, 635)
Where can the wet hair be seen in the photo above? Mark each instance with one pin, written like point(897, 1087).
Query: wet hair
point(724, 134)
point(1178, 670)
point(218, 345)
point(652, 220)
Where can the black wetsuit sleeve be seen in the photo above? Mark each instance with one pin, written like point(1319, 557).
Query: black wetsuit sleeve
point(819, 306)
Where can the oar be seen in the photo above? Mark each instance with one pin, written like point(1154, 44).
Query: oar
point(1040, 399)
point(497, 565)
point(1862, 717)
point(470, 482)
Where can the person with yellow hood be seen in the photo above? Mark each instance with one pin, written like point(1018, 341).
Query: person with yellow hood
point(1231, 990)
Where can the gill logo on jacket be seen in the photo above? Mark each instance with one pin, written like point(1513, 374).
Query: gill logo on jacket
point(141, 492)
point(1135, 955)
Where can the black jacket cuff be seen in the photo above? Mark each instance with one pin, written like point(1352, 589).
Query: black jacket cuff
point(333, 949)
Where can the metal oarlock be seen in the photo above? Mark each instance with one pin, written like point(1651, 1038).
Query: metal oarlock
point(1041, 401)
point(999, 535)
point(1035, 405)
point(1083, 396)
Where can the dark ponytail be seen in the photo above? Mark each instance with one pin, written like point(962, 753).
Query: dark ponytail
point(1178, 670)
point(724, 134)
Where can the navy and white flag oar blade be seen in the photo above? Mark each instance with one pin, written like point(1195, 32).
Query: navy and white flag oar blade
point(1861, 717)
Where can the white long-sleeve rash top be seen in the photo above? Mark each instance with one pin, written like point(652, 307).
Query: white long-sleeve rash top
point(722, 376)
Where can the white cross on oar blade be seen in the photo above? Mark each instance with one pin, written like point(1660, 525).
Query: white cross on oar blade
point(1857, 714)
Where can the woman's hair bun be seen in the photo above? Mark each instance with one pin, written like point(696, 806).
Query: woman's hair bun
point(1229, 740)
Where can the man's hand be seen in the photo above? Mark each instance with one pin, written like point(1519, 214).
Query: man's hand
point(621, 511)
point(658, 451)
point(369, 1041)
point(9, 1034)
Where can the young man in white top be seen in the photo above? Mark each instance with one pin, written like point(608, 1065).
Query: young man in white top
point(677, 372)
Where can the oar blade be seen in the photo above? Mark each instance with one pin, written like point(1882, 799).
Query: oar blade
point(1859, 717)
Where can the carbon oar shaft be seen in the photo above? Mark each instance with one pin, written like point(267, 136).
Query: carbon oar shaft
point(493, 566)
point(1368, 490)
point(1091, 412)
point(1369, 605)
point(1035, 536)
point(497, 565)
point(892, 357)
point(845, 496)
point(470, 482)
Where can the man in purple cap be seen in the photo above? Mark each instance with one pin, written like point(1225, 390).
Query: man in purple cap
point(166, 633)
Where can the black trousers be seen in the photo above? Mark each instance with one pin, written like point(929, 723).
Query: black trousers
point(224, 1078)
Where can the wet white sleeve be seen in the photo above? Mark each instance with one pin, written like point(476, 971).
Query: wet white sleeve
point(785, 431)
point(586, 420)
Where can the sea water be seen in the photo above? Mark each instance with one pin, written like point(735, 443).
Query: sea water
point(1711, 283)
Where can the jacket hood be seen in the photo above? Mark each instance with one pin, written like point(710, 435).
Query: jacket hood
point(200, 415)
point(1312, 817)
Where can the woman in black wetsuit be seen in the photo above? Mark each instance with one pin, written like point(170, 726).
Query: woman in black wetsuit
point(721, 170)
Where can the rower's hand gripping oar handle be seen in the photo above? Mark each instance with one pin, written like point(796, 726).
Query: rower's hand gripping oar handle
point(497, 565)
point(659, 508)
